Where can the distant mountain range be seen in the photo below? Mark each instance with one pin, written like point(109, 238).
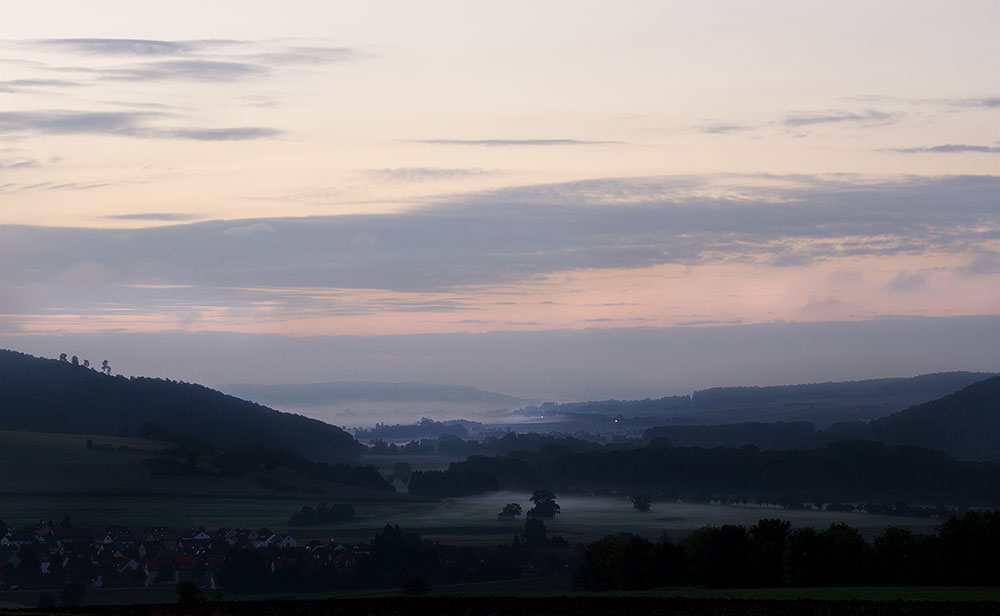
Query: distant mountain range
point(48, 395)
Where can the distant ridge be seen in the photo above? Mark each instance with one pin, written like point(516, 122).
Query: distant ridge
point(822, 404)
point(48, 395)
point(965, 424)
point(930, 385)
point(350, 391)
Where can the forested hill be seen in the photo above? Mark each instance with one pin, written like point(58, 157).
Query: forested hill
point(49, 395)
point(929, 386)
point(964, 424)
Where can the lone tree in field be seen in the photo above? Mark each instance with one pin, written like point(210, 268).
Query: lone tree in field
point(510, 511)
point(641, 502)
point(545, 505)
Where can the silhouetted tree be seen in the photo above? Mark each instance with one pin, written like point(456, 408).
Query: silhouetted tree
point(62, 357)
point(642, 502)
point(718, 555)
point(106, 367)
point(767, 547)
point(510, 510)
point(845, 555)
point(802, 558)
point(545, 505)
point(895, 551)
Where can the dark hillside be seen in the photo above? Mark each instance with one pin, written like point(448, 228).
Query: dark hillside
point(48, 395)
point(965, 424)
point(928, 386)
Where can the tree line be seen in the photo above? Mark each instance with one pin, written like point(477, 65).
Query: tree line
point(845, 471)
point(771, 553)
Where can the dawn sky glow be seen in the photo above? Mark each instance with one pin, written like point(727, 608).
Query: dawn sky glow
point(391, 168)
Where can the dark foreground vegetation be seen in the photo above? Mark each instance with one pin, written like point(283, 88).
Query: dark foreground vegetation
point(771, 554)
point(545, 606)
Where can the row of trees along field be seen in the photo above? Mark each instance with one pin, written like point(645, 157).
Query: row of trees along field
point(770, 553)
point(841, 471)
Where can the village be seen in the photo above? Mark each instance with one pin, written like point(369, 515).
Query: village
point(47, 555)
point(237, 561)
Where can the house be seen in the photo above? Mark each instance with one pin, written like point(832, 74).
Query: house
point(345, 562)
point(165, 536)
point(18, 538)
point(149, 549)
point(76, 536)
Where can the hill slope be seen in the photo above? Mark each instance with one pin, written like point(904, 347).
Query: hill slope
point(48, 395)
point(964, 424)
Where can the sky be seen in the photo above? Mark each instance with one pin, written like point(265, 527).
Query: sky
point(354, 187)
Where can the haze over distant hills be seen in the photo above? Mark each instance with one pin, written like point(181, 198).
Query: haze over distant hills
point(822, 404)
point(366, 402)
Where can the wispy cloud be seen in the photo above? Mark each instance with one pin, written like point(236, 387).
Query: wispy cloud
point(69, 185)
point(192, 70)
point(985, 103)
point(203, 60)
point(869, 117)
point(62, 122)
point(907, 282)
point(305, 55)
point(25, 163)
point(984, 262)
point(141, 124)
point(10, 86)
point(129, 47)
point(949, 148)
point(514, 142)
point(722, 128)
point(403, 175)
point(242, 133)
